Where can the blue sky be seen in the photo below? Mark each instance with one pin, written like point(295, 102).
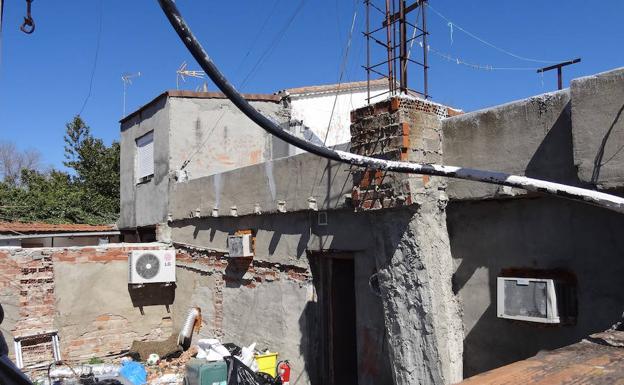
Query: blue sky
point(45, 77)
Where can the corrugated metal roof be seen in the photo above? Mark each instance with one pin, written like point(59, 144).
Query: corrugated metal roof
point(38, 227)
point(593, 361)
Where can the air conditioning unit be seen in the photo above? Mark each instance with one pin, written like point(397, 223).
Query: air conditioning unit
point(535, 300)
point(240, 245)
point(151, 266)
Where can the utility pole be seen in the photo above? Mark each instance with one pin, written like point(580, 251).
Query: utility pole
point(559, 70)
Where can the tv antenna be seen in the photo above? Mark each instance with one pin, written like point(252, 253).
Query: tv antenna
point(126, 78)
point(182, 72)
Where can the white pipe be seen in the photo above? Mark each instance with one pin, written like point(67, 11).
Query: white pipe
point(187, 329)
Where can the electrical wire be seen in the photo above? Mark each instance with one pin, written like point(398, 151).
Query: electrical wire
point(491, 45)
point(251, 73)
point(257, 37)
point(476, 66)
point(95, 59)
point(276, 40)
point(187, 37)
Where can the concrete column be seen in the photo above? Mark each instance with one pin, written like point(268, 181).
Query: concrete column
point(421, 313)
point(413, 256)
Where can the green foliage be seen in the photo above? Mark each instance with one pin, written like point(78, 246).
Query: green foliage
point(95, 361)
point(91, 195)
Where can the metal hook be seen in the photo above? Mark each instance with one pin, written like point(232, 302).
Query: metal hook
point(28, 26)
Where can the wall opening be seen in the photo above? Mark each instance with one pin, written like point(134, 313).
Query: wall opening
point(338, 319)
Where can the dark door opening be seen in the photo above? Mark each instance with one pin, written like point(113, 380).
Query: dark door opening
point(338, 316)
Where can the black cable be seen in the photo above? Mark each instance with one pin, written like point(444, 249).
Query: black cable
point(530, 184)
point(95, 59)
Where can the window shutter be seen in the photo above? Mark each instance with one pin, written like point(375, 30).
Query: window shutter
point(145, 155)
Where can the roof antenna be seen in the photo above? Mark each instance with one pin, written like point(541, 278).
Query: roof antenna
point(126, 78)
point(182, 72)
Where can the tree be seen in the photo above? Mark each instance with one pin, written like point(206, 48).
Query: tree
point(96, 165)
point(13, 161)
point(88, 195)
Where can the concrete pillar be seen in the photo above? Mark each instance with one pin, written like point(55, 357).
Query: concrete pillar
point(413, 257)
point(421, 313)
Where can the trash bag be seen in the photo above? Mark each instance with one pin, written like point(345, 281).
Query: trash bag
point(108, 382)
point(265, 378)
point(239, 374)
point(134, 372)
point(234, 349)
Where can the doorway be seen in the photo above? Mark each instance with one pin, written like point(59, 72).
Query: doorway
point(338, 319)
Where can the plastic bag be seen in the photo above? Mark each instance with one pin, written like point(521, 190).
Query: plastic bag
point(247, 357)
point(238, 373)
point(210, 349)
point(134, 372)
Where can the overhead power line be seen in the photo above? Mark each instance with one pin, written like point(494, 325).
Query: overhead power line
point(491, 45)
point(559, 190)
point(95, 58)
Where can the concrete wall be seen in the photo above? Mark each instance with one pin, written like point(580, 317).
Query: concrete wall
point(276, 305)
point(58, 241)
point(542, 233)
point(217, 136)
point(291, 180)
point(145, 203)
point(531, 137)
point(598, 128)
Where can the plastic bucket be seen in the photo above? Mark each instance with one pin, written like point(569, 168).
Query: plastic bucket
point(266, 363)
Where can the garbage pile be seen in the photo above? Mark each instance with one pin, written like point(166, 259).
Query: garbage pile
point(208, 362)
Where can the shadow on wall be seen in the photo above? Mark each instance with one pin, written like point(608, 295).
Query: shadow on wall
point(152, 294)
point(286, 225)
point(554, 158)
point(598, 160)
point(542, 233)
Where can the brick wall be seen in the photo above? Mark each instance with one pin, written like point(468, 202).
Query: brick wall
point(241, 272)
point(82, 293)
point(400, 128)
point(28, 291)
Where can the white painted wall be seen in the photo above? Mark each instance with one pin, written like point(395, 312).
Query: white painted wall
point(315, 110)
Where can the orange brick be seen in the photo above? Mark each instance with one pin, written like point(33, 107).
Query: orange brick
point(405, 128)
point(394, 104)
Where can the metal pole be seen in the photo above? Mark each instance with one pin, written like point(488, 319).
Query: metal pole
point(423, 4)
point(559, 78)
point(367, 50)
point(403, 37)
point(389, 48)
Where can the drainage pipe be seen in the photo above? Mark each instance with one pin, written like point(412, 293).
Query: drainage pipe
point(186, 333)
point(530, 184)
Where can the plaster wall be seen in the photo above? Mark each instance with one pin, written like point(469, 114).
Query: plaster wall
point(213, 133)
point(145, 204)
point(531, 137)
point(280, 238)
point(598, 128)
point(260, 188)
point(329, 111)
point(542, 233)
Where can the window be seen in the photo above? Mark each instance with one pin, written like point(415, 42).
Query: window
point(145, 157)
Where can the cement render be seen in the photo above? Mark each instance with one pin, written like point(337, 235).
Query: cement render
point(421, 313)
point(598, 128)
point(531, 137)
point(542, 233)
